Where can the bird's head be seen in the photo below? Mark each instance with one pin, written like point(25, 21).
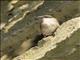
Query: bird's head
point(43, 17)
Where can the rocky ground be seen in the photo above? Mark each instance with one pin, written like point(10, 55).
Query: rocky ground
point(20, 30)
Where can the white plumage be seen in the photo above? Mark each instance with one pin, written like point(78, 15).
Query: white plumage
point(48, 25)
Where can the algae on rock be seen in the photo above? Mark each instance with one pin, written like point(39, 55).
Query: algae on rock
point(19, 26)
point(47, 44)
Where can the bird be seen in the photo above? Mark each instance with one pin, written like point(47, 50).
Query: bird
point(48, 25)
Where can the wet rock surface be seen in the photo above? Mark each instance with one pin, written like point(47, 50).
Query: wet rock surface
point(21, 37)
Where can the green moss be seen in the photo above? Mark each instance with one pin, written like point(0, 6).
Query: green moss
point(65, 48)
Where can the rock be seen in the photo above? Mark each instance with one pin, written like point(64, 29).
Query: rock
point(12, 39)
point(21, 26)
point(68, 31)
